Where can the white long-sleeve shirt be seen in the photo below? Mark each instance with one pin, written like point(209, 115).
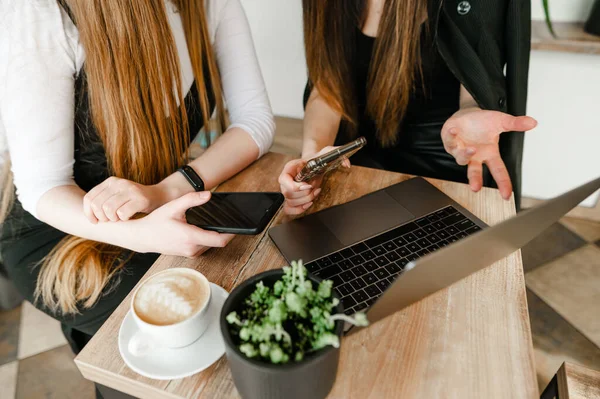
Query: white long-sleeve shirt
point(40, 57)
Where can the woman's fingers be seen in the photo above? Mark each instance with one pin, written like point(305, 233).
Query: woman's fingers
point(93, 193)
point(450, 139)
point(87, 211)
point(463, 155)
point(286, 178)
point(517, 123)
point(500, 175)
point(475, 175)
point(128, 209)
point(98, 202)
point(208, 238)
point(177, 208)
point(303, 200)
point(112, 205)
point(89, 198)
point(298, 194)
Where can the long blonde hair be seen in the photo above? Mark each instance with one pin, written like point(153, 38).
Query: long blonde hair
point(329, 29)
point(134, 82)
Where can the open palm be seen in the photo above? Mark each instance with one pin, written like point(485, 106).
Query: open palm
point(471, 135)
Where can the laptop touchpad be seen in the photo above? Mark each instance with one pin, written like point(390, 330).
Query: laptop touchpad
point(365, 217)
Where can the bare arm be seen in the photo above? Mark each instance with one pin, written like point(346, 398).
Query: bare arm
point(164, 231)
point(62, 207)
point(235, 146)
point(321, 124)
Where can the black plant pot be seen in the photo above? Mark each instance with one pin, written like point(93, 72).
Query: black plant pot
point(311, 378)
point(593, 23)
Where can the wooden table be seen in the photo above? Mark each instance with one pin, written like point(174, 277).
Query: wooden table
point(573, 381)
point(471, 340)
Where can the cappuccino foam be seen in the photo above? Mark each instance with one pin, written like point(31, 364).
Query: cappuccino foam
point(170, 297)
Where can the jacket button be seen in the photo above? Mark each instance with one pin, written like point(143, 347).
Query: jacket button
point(463, 8)
point(502, 102)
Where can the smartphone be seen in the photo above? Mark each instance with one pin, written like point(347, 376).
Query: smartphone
point(330, 161)
point(236, 213)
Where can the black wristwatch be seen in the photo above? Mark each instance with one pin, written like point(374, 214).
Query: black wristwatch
point(192, 177)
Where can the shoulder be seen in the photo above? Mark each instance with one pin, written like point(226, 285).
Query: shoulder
point(36, 24)
point(219, 10)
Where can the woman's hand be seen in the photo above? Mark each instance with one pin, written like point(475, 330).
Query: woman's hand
point(166, 231)
point(471, 135)
point(300, 196)
point(119, 199)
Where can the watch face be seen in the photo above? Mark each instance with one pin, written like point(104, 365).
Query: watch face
point(192, 177)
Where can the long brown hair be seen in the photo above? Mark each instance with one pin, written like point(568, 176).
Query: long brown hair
point(133, 74)
point(329, 31)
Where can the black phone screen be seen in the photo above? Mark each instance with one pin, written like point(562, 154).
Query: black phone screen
point(238, 213)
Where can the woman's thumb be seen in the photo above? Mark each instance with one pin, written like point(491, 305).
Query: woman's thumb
point(180, 205)
point(518, 123)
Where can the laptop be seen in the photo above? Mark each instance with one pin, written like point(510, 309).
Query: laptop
point(408, 241)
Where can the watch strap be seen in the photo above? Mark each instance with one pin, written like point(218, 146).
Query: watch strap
point(192, 177)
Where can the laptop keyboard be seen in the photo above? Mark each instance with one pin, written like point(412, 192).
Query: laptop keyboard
point(361, 272)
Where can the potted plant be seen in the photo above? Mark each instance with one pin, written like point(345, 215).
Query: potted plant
point(282, 331)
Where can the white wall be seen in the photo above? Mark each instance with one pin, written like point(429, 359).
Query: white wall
point(564, 96)
point(277, 30)
point(564, 150)
point(563, 10)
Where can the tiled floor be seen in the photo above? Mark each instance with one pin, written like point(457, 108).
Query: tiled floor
point(35, 361)
point(562, 275)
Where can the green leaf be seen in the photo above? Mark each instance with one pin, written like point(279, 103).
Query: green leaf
point(248, 350)
point(232, 318)
point(359, 319)
point(326, 340)
point(277, 312)
point(548, 19)
point(276, 354)
point(264, 349)
point(244, 334)
point(325, 288)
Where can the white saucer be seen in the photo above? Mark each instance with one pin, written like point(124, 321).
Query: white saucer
point(170, 364)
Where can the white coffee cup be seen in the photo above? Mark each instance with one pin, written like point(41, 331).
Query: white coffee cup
point(170, 310)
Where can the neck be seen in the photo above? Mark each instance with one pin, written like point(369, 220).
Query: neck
point(374, 12)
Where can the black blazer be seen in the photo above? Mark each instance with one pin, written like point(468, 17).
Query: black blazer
point(478, 39)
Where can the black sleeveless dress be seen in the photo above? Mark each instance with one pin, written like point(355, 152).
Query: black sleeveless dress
point(25, 240)
point(419, 149)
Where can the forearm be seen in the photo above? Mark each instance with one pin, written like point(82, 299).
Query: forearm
point(321, 124)
point(231, 153)
point(62, 208)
